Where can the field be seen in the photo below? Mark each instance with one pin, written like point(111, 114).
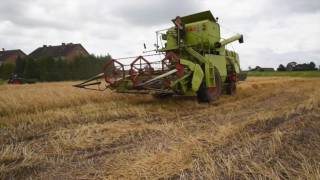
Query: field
point(2, 82)
point(269, 130)
point(285, 74)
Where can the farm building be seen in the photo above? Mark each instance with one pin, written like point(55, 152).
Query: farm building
point(10, 56)
point(258, 68)
point(64, 51)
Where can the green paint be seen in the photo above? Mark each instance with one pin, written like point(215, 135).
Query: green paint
point(197, 78)
point(201, 50)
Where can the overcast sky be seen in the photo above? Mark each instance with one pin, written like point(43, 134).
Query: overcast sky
point(275, 31)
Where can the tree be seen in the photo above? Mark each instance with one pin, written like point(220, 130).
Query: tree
point(6, 70)
point(20, 65)
point(291, 66)
point(50, 69)
point(32, 69)
point(281, 68)
point(312, 66)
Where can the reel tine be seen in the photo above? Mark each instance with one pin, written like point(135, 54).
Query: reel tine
point(87, 82)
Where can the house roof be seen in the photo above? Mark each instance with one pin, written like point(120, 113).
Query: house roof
point(7, 53)
point(55, 51)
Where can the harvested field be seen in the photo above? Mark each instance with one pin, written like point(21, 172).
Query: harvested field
point(309, 74)
point(269, 130)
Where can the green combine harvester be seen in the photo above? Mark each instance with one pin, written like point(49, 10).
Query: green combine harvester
point(195, 63)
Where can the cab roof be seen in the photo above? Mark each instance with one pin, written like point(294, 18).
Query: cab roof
point(205, 15)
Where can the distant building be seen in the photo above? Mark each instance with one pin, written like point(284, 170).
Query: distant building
point(258, 68)
point(10, 56)
point(64, 51)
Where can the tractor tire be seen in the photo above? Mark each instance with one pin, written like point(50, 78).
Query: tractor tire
point(17, 81)
point(231, 88)
point(206, 94)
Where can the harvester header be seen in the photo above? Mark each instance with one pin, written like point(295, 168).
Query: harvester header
point(194, 62)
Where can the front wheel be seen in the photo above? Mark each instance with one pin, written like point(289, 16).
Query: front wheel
point(209, 94)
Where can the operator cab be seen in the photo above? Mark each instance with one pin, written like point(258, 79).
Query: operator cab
point(199, 30)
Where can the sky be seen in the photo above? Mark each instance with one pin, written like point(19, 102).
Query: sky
point(275, 31)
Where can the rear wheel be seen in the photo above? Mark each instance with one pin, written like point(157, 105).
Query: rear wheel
point(209, 94)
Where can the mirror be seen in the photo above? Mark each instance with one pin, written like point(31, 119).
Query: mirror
point(241, 39)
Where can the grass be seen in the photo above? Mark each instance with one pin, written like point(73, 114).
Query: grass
point(2, 82)
point(269, 130)
point(285, 73)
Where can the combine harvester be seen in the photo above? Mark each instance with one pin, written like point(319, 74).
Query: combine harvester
point(195, 63)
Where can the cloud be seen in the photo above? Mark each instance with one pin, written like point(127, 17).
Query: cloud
point(275, 31)
point(295, 6)
point(148, 13)
point(271, 58)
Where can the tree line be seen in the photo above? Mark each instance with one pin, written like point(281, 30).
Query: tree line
point(54, 69)
point(293, 66)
